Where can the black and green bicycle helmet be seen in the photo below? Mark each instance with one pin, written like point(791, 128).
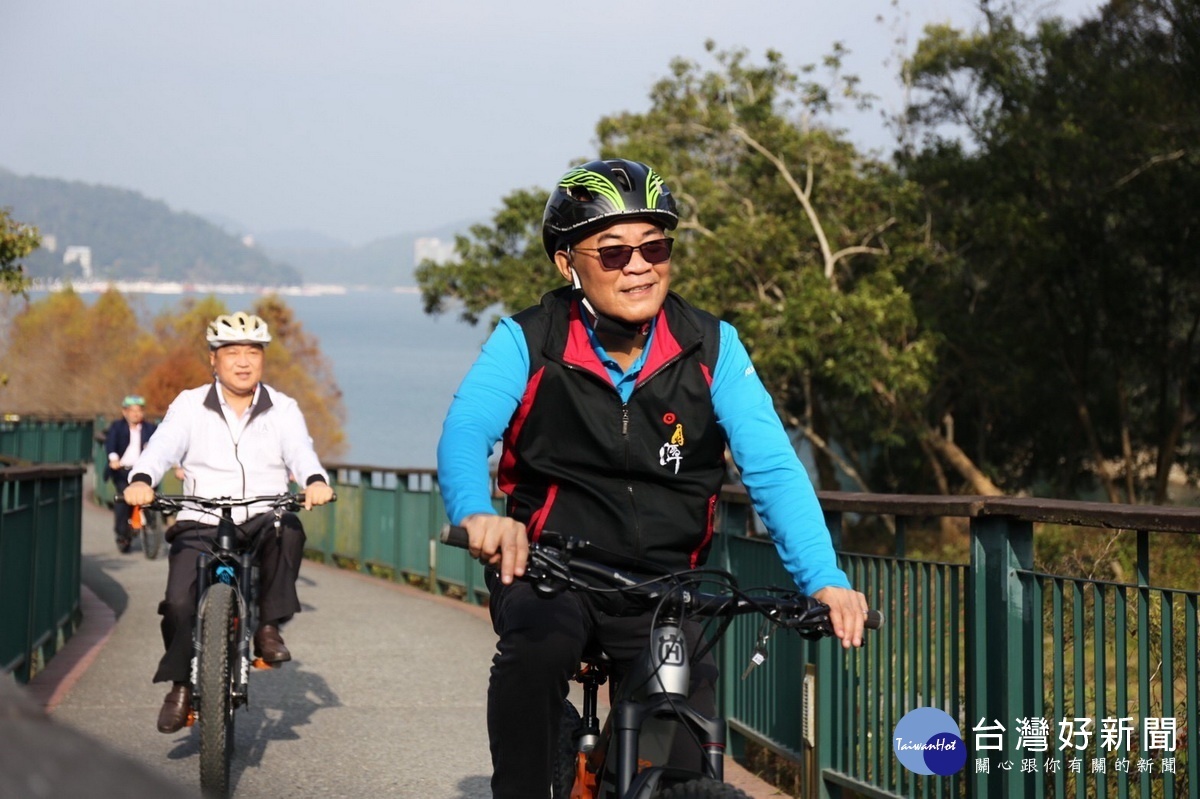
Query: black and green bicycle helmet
point(602, 193)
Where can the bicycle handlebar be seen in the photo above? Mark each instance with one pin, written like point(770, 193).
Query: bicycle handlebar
point(177, 502)
point(552, 568)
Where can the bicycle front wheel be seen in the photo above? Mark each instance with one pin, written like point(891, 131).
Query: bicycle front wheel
point(218, 654)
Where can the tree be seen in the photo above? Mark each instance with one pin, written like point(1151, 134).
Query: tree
point(65, 356)
point(1062, 164)
point(17, 240)
point(296, 366)
point(502, 265)
point(181, 361)
point(789, 233)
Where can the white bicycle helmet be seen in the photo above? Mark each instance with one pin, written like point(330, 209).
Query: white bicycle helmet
point(237, 328)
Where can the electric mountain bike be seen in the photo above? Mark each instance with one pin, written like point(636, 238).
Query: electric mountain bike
point(628, 758)
point(226, 620)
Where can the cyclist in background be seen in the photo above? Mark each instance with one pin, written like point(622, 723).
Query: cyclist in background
point(615, 400)
point(235, 437)
point(123, 443)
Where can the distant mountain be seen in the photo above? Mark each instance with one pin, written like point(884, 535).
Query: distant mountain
point(386, 262)
point(298, 240)
point(116, 233)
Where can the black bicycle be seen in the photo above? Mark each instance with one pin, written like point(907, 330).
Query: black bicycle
point(226, 619)
point(650, 703)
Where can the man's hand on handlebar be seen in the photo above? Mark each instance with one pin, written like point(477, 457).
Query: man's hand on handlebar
point(138, 493)
point(317, 493)
point(847, 613)
point(498, 541)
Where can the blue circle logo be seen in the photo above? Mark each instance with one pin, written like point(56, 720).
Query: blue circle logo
point(928, 741)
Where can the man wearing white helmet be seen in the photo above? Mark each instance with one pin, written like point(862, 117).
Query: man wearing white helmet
point(234, 437)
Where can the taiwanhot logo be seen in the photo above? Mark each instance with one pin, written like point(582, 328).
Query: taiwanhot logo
point(928, 741)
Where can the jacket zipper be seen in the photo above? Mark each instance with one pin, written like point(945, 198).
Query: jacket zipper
point(637, 525)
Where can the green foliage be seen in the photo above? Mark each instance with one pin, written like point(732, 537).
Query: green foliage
point(787, 232)
point(502, 265)
point(17, 241)
point(132, 237)
point(1061, 167)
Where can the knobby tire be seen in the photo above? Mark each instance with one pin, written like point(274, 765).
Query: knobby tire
point(565, 755)
point(218, 656)
point(152, 534)
point(701, 789)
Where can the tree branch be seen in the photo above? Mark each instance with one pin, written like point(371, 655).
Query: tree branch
point(1153, 162)
point(801, 195)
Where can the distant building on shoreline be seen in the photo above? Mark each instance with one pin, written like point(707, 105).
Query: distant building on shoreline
point(430, 248)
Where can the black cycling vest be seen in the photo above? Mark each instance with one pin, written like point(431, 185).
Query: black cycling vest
point(639, 478)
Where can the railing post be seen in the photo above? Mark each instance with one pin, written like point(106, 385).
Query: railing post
point(829, 735)
point(1000, 680)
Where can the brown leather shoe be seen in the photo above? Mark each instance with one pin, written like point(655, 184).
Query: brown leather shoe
point(268, 645)
point(174, 714)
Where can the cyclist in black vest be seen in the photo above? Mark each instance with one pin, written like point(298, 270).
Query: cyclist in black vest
point(615, 400)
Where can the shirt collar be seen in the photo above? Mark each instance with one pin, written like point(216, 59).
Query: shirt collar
point(607, 359)
point(221, 394)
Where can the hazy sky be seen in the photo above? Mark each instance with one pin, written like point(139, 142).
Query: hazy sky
point(361, 119)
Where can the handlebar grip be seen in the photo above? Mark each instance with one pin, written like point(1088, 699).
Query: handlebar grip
point(135, 518)
point(455, 536)
point(874, 620)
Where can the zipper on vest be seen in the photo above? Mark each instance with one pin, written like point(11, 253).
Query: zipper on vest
point(637, 525)
point(677, 356)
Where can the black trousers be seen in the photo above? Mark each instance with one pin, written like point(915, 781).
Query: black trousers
point(121, 511)
point(279, 559)
point(541, 644)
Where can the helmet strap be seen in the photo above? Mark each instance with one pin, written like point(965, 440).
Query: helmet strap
point(614, 328)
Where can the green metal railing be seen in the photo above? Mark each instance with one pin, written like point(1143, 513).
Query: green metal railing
point(1002, 647)
point(386, 522)
point(991, 641)
point(66, 439)
point(40, 520)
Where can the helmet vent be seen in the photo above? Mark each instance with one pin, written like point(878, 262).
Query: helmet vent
point(622, 178)
point(579, 194)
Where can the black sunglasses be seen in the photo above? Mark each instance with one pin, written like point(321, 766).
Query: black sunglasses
point(618, 256)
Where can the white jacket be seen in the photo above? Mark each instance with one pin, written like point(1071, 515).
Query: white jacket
point(217, 462)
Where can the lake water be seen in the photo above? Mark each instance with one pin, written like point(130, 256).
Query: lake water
point(396, 366)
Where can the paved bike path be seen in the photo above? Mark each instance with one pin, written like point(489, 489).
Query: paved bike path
point(385, 695)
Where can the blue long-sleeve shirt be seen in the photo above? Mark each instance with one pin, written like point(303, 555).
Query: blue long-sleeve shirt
point(775, 479)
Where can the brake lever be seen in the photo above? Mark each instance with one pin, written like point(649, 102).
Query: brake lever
point(549, 574)
point(812, 623)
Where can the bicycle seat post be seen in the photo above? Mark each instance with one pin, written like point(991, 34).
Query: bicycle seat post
point(591, 677)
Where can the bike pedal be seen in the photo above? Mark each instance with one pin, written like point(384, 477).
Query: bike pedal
point(191, 719)
point(259, 663)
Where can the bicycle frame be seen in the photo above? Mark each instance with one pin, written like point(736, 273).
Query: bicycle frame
point(650, 704)
point(650, 708)
point(235, 566)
